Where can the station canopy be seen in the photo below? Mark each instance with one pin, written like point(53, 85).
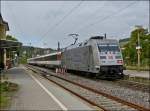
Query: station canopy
point(9, 44)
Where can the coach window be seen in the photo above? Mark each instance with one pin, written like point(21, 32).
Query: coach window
point(51, 58)
point(54, 57)
point(47, 58)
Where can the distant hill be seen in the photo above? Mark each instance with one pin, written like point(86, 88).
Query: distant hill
point(31, 51)
point(124, 41)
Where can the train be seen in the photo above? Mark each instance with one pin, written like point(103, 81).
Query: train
point(96, 56)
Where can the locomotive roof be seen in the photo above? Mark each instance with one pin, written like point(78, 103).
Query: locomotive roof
point(96, 40)
point(98, 37)
point(106, 41)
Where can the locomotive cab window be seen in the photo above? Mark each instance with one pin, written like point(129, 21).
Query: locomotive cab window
point(115, 48)
point(106, 48)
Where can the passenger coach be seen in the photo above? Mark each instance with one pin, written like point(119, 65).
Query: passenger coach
point(52, 60)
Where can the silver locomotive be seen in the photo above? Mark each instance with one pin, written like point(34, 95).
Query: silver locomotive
point(97, 55)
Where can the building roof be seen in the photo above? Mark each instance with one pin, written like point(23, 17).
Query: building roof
point(4, 22)
point(9, 44)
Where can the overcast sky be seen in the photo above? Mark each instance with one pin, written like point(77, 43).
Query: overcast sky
point(44, 23)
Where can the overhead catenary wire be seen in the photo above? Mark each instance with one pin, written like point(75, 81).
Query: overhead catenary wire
point(96, 11)
point(18, 28)
point(61, 20)
point(49, 23)
point(106, 17)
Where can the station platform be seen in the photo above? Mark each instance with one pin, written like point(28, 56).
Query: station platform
point(134, 73)
point(37, 93)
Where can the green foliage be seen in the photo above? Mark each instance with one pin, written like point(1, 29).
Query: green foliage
point(130, 52)
point(143, 68)
point(4, 101)
point(8, 86)
point(30, 51)
point(124, 40)
point(23, 59)
point(9, 37)
point(6, 91)
point(3, 86)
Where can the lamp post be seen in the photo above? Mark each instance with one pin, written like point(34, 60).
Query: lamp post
point(138, 47)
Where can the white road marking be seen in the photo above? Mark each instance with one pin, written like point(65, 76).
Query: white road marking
point(49, 93)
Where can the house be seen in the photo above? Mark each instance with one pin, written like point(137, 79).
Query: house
point(7, 47)
point(3, 28)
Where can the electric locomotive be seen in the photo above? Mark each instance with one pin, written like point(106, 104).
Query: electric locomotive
point(98, 56)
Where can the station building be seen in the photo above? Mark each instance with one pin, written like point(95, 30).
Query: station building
point(7, 47)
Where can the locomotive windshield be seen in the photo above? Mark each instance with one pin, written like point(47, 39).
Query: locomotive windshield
point(105, 48)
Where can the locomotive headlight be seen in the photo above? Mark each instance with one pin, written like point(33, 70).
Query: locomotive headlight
point(97, 67)
point(120, 61)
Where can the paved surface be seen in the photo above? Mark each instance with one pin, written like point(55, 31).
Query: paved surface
point(133, 73)
point(36, 93)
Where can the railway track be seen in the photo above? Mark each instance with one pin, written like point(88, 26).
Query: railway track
point(123, 83)
point(136, 86)
point(99, 99)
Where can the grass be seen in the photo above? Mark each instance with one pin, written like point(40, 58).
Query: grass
point(142, 68)
point(6, 91)
point(144, 81)
point(4, 100)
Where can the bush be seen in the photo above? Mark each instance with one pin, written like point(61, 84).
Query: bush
point(6, 89)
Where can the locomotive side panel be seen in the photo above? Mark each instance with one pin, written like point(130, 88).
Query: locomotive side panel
point(80, 59)
point(96, 60)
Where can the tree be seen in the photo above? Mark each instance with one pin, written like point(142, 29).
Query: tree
point(9, 37)
point(130, 48)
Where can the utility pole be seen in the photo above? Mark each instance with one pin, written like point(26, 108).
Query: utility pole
point(58, 49)
point(28, 51)
point(138, 51)
point(138, 47)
